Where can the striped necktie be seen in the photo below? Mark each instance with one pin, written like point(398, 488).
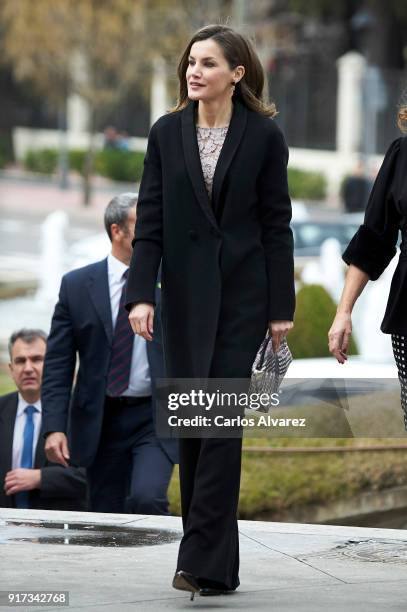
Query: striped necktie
point(22, 498)
point(122, 350)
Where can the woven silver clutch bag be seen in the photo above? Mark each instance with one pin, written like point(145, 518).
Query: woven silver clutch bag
point(269, 368)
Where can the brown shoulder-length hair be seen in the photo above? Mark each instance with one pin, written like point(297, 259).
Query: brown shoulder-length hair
point(238, 51)
point(402, 118)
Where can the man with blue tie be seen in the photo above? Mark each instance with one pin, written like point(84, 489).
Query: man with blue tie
point(107, 423)
point(28, 480)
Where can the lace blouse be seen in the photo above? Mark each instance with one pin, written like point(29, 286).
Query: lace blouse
point(210, 142)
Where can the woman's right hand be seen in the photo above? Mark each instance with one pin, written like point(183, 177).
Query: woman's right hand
point(141, 319)
point(339, 335)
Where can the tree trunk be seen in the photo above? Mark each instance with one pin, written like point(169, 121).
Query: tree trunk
point(88, 166)
point(63, 160)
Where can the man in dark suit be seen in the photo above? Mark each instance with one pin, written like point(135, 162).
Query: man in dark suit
point(356, 189)
point(109, 421)
point(28, 480)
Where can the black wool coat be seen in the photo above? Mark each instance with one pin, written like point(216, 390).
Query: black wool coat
point(227, 265)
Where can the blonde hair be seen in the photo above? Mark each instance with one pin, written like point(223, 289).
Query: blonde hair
point(402, 118)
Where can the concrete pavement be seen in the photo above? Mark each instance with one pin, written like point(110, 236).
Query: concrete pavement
point(284, 566)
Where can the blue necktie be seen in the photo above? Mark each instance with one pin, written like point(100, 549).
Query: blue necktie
point(22, 498)
point(122, 350)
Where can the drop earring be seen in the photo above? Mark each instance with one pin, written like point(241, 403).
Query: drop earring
point(233, 83)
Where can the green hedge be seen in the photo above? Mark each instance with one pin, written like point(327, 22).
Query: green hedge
point(119, 165)
point(315, 311)
point(77, 159)
point(304, 185)
point(126, 166)
point(3, 159)
point(6, 149)
point(43, 160)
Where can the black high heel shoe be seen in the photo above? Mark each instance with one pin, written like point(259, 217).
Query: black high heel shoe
point(211, 587)
point(207, 591)
point(184, 581)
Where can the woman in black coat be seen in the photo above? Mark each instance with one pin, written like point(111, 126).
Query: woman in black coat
point(370, 252)
point(227, 269)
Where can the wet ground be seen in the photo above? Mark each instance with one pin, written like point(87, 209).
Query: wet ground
point(82, 534)
point(114, 563)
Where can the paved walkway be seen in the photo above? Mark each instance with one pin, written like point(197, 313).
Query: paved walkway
point(42, 196)
point(285, 567)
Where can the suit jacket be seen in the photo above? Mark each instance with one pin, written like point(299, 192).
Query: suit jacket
point(227, 264)
point(61, 488)
point(82, 326)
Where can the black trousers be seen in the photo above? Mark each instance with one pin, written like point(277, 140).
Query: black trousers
point(210, 482)
point(131, 471)
point(210, 468)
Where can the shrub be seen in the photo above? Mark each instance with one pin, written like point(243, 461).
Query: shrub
point(314, 314)
point(136, 166)
point(119, 165)
point(6, 150)
point(3, 159)
point(77, 159)
point(42, 160)
point(306, 185)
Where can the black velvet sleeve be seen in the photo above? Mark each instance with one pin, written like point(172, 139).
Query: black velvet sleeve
point(374, 244)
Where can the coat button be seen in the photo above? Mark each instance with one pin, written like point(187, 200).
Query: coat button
point(214, 232)
point(193, 234)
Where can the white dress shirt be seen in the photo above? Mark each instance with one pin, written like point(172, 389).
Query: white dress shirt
point(140, 381)
point(19, 425)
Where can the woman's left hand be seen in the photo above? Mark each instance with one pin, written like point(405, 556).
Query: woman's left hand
point(277, 331)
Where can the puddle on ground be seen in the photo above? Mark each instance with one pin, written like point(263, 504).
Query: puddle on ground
point(84, 534)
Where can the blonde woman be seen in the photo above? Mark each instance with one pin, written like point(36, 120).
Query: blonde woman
point(369, 253)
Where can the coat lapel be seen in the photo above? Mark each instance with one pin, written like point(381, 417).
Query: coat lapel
point(193, 161)
point(232, 141)
point(98, 287)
